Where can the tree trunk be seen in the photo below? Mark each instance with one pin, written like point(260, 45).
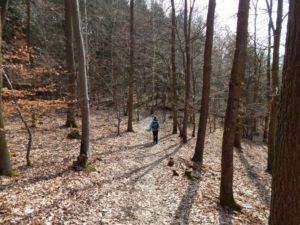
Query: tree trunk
point(154, 93)
point(27, 2)
point(238, 132)
point(24, 121)
point(256, 76)
point(275, 88)
point(267, 116)
point(5, 165)
point(70, 67)
point(131, 70)
point(4, 8)
point(84, 101)
point(235, 88)
point(285, 201)
point(187, 33)
point(173, 62)
point(198, 155)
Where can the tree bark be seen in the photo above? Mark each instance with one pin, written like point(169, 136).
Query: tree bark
point(5, 165)
point(285, 200)
point(131, 69)
point(235, 87)
point(275, 88)
point(70, 67)
point(187, 34)
point(4, 8)
point(173, 62)
point(84, 101)
point(267, 116)
point(198, 155)
point(255, 87)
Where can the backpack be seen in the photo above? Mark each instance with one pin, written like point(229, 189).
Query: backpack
point(155, 125)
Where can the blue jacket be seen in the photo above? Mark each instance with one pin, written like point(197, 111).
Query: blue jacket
point(152, 123)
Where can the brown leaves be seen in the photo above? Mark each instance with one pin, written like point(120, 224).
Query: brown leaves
point(131, 184)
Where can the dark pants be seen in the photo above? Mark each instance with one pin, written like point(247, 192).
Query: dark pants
point(155, 136)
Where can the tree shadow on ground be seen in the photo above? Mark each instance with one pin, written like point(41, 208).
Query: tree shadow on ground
point(107, 136)
point(165, 137)
point(141, 146)
point(142, 171)
point(225, 216)
point(183, 211)
point(264, 194)
point(148, 155)
point(34, 180)
point(127, 148)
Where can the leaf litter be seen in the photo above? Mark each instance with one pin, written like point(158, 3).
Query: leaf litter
point(128, 180)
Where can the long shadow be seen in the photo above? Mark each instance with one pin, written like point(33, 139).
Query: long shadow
point(147, 168)
point(125, 148)
point(165, 137)
point(225, 216)
point(140, 146)
point(35, 180)
point(182, 214)
point(265, 195)
point(149, 155)
point(108, 136)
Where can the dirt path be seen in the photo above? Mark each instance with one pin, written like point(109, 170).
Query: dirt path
point(128, 181)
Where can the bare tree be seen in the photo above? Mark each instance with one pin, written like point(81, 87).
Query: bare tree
point(285, 201)
point(173, 63)
point(28, 25)
point(275, 88)
point(70, 67)
point(267, 116)
point(131, 69)
point(235, 86)
point(84, 101)
point(187, 37)
point(198, 155)
point(5, 165)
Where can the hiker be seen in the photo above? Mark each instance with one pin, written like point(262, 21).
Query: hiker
point(154, 125)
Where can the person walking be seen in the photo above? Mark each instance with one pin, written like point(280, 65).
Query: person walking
point(155, 128)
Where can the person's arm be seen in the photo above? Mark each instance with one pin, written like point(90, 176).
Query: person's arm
point(150, 125)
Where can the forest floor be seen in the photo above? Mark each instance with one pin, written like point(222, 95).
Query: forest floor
point(128, 180)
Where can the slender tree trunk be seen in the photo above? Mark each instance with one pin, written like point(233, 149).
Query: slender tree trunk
point(173, 62)
point(5, 165)
point(198, 155)
point(4, 8)
point(235, 88)
point(285, 201)
point(153, 59)
point(275, 88)
point(70, 67)
point(84, 101)
point(24, 121)
point(187, 33)
point(27, 2)
point(193, 117)
point(256, 75)
point(267, 116)
point(131, 70)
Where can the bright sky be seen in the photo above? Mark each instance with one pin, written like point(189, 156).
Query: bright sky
point(226, 12)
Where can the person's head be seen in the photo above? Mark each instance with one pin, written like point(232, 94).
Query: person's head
point(154, 118)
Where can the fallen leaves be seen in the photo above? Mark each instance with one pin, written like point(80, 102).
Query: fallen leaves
point(129, 180)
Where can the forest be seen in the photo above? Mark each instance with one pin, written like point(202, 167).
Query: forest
point(176, 112)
